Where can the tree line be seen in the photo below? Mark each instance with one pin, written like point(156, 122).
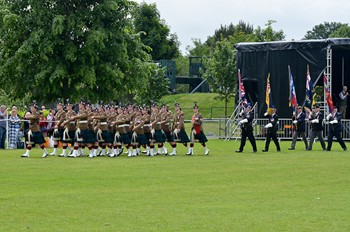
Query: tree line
point(105, 50)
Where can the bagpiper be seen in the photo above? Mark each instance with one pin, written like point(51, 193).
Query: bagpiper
point(197, 131)
point(69, 129)
point(166, 128)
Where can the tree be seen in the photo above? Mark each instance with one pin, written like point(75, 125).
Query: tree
point(221, 70)
point(323, 31)
point(154, 87)
point(155, 33)
point(342, 32)
point(59, 48)
point(268, 34)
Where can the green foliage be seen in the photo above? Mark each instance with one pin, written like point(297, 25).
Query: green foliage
point(268, 34)
point(156, 34)
point(153, 88)
point(324, 30)
point(225, 191)
point(69, 49)
point(342, 32)
point(221, 70)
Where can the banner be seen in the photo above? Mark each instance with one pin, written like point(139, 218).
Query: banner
point(327, 94)
point(292, 94)
point(268, 99)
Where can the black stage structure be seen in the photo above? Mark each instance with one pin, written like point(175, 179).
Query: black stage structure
point(256, 60)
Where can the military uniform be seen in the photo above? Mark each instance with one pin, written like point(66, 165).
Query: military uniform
point(316, 128)
point(335, 129)
point(299, 128)
point(246, 124)
point(197, 134)
point(272, 127)
point(34, 135)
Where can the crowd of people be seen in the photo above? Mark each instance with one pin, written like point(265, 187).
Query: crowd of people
point(315, 117)
point(106, 130)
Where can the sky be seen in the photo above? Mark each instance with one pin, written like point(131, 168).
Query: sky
point(198, 19)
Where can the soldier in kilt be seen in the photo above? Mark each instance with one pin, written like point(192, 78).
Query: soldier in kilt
point(92, 123)
point(121, 136)
point(166, 128)
point(103, 136)
point(111, 117)
point(138, 138)
point(197, 134)
point(83, 134)
point(157, 134)
point(69, 129)
point(34, 134)
point(60, 116)
point(147, 127)
point(180, 134)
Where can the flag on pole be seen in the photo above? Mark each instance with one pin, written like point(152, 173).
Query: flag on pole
point(268, 99)
point(327, 94)
point(292, 94)
point(310, 92)
point(241, 89)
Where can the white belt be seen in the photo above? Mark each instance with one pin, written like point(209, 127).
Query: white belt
point(119, 126)
point(83, 121)
point(158, 122)
point(72, 122)
point(147, 125)
point(103, 123)
point(178, 123)
point(167, 123)
point(126, 124)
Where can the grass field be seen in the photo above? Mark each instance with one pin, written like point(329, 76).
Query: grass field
point(225, 191)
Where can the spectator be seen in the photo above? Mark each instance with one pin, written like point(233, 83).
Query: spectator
point(14, 128)
point(343, 101)
point(3, 117)
point(51, 122)
point(43, 124)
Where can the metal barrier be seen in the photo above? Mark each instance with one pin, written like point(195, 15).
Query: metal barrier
point(285, 129)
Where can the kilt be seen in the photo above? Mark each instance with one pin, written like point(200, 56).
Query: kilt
point(36, 138)
point(88, 136)
point(182, 137)
point(148, 137)
point(123, 138)
point(70, 138)
point(200, 137)
point(141, 139)
point(59, 135)
point(169, 136)
point(159, 136)
point(129, 133)
point(106, 137)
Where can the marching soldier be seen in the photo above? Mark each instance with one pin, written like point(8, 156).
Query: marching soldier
point(121, 136)
point(83, 134)
point(299, 127)
point(34, 135)
point(271, 127)
point(69, 129)
point(335, 129)
point(246, 124)
point(157, 135)
point(179, 131)
point(165, 124)
point(197, 131)
point(111, 117)
point(139, 138)
point(316, 118)
point(60, 116)
point(101, 128)
point(147, 127)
